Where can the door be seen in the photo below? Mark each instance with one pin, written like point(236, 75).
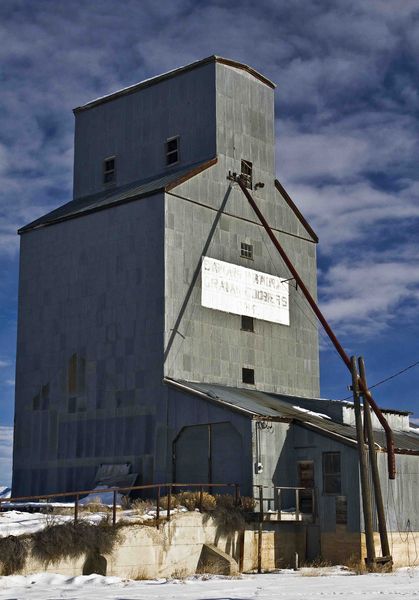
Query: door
point(210, 453)
point(306, 480)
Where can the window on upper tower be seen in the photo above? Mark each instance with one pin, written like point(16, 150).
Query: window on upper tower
point(246, 173)
point(248, 376)
point(246, 250)
point(172, 150)
point(247, 323)
point(109, 170)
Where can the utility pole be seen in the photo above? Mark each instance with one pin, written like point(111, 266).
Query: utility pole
point(382, 526)
point(365, 487)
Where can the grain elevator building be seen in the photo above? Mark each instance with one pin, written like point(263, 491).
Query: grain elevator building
point(158, 328)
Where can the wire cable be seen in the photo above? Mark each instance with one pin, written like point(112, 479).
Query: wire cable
point(415, 364)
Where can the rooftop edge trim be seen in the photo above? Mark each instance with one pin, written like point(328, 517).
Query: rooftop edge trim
point(296, 210)
point(173, 73)
point(50, 219)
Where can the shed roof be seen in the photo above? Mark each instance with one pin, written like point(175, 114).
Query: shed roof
point(275, 406)
point(173, 73)
point(113, 196)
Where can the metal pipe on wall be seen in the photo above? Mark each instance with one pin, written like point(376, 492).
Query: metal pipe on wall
point(366, 393)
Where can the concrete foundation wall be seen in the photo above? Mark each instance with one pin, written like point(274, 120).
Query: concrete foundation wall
point(175, 549)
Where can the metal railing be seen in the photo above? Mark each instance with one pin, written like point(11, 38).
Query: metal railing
point(277, 500)
point(169, 487)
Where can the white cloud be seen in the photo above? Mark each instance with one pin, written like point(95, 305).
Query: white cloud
point(6, 448)
point(4, 364)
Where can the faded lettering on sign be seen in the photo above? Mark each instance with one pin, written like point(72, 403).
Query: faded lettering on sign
point(235, 289)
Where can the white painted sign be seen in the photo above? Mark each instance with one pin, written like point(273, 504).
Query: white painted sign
point(235, 289)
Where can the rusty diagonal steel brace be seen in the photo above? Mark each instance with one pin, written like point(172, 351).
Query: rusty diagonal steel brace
point(365, 391)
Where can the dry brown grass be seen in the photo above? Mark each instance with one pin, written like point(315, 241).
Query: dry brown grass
point(191, 500)
point(356, 565)
point(13, 554)
point(72, 540)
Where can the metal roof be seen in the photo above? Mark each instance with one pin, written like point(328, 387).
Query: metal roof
point(276, 406)
point(113, 196)
point(153, 80)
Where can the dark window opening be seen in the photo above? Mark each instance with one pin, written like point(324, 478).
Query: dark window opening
point(246, 250)
point(72, 405)
point(76, 375)
point(341, 510)
point(172, 150)
point(36, 402)
point(331, 473)
point(109, 170)
point(72, 374)
point(248, 376)
point(246, 173)
point(306, 480)
point(45, 396)
point(247, 323)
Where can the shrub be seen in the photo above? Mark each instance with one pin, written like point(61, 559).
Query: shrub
point(72, 540)
point(226, 500)
point(191, 500)
point(13, 554)
point(142, 506)
point(247, 503)
point(174, 502)
point(228, 520)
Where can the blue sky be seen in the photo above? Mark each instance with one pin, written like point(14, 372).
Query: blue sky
point(347, 117)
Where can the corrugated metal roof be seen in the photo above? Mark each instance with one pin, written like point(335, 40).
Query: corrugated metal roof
point(113, 196)
point(262, 404)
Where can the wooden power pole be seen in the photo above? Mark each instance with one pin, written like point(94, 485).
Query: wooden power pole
point(382, 526)
point(365, 487)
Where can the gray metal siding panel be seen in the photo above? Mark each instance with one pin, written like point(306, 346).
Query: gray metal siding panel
point(92, 286)
point(135, 128)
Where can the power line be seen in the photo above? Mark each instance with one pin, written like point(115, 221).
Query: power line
point(415, 364)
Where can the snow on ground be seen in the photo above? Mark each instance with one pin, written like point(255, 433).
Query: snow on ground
point(16, 522)
point(285, 585)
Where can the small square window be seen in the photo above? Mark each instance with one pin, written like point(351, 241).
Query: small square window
point(248, 376)
point(109, 170)
point(247, 323)
point(36, 402)
point(331, 473)
point(246, 250)
point(246, 173)
point(172, 150)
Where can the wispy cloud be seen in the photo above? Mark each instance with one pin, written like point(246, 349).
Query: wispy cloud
point(346, 106)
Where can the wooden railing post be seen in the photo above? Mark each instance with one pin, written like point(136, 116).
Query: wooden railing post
point(279, 504)
point(76, 508)
point(114, 508)
point(158, 508)
point(169, 501)
point(297, 504)
point(260, 529)
point(313, 506)
point(201, 494)
point(236, 494)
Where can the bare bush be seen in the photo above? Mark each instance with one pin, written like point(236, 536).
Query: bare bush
point(72, 540)
point(192, 500)
point(13, 554)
